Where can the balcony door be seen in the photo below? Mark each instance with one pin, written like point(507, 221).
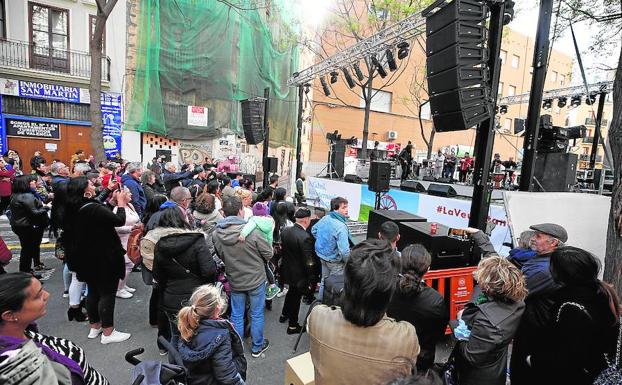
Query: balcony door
point(49, 38)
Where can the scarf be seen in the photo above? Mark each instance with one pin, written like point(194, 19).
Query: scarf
point(339, 217)
point(11, 343)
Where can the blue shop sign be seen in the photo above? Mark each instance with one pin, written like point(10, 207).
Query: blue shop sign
point(36, 90)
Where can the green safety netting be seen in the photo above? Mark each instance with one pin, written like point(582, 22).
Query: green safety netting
point(210, 53)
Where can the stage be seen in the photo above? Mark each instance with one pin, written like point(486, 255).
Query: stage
point(462, 190)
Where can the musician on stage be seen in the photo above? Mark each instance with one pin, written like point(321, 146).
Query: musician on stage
point(374, 154)
point(510, 166)
point(466, 165)
point(406, 159)
point(450, 165)
point(495, 167)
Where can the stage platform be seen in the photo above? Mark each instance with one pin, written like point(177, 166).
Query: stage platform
point(462, 190)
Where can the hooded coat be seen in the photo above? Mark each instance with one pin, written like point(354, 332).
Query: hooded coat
point(244, 261)
point(215, 355)
point(181, 264)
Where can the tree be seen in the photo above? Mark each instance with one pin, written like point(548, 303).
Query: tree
point(104, 9)
point(351, 22)
point(606, 19)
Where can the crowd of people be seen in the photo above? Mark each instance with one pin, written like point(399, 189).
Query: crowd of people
point(216, 252)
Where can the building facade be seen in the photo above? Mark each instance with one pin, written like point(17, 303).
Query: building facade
point(45, 71)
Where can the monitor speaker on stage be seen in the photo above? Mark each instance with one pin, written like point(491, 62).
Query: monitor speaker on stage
point(441, 190)
point(429, 178)
point(457, 68)
point(273, 164)
point(412, 186)
point(379, 176)
point(351, 178)
point(253, 119)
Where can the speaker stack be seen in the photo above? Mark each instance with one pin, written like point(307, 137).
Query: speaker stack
point(555, 171)
point(457, 68)
point(379, 176)
point(378, 217)
point(253, 119)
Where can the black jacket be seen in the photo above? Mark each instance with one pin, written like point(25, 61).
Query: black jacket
point(482, 360)
point(578, 339)
point(27, 211)
point(428, 313)
point(93, 249)
point(215, 355)
point(300, 265)
point(173, 179)
point(182, 262)
point(59, 188)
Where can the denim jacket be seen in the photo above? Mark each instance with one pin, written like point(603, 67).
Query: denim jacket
point(331, 239)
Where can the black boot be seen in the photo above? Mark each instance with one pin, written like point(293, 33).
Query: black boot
point(75, 313)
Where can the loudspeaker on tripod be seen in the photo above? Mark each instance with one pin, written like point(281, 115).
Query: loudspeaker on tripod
point(379, 176)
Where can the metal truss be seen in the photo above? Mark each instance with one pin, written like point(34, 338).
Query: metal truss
point(387, 38)
point(594, 88)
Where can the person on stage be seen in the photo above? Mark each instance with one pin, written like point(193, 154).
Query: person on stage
point(374, 154)
point(510, 166)
point(406, 159)
point(466, 165)
point(439, 161)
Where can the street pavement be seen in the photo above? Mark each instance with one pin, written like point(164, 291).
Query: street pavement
point(131, 315)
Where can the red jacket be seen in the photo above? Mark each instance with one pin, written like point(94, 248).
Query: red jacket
point(6, 179)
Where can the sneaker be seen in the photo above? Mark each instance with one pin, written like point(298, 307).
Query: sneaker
point(115, 336)
point(258, 353)
point(282, 292)
point(163, 352)
point(45, 240)
point(130, 289)
point(124, 294)
point(94, 333)
point(294, 329)
point(272, 291)
point(65, 294)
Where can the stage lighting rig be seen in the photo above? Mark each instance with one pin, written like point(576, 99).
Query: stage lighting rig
point(402, 50)
point(561, 102)
point(349, 80)
point(381, 71)
point(391, 60)
point(333, 136)
point(325, 86)
point(334, 76)
point(307, 87)
point(547, 104)
point(503, 109)
point(358, 72)
point(591, 98)
point(575, 101)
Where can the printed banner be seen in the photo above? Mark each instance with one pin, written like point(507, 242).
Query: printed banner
point(111, 118)
point(3, 143)
point(197, 116)
point(320, 191)
point(29, 129)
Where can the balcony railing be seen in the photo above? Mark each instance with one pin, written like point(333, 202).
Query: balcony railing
point(592, 122)
point(24, 55)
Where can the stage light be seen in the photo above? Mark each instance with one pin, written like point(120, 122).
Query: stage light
point(561, 101)
point(575, 101)
point(503, 109)
point(391, 60)
point(590, 99)
point(334, 76)
point(307, 87)
point(358, 72)
point(547, 104)
point(508, 13)
point(348, 78)
point(381, 71)
point(325, 86)
point(402, 50)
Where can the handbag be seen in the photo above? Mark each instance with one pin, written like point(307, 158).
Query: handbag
point(612, 375)
point(447, 370)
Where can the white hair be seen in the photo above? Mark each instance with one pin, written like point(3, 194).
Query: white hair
point(81, 168)
point(133, 167)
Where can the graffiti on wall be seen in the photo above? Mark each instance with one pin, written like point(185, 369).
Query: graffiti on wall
point(194, 152)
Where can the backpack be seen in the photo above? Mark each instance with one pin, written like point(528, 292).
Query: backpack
point(133, 243)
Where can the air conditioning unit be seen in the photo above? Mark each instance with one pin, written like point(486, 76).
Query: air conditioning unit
point(391, 135)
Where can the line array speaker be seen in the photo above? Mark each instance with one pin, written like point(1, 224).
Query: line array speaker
point(379, 176)
point(273, 164)
point(253, 119)
point(457, 68)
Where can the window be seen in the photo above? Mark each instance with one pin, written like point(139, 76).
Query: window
point(381, 101)
point(562, 80)
point(554, 76)
point(511, 90)
point(515, 61)
point(507, 124)
point(500, 91)
point(92, 21)
point(503, 55)
point(49, 35)
point(2, 21)
point(425, 111)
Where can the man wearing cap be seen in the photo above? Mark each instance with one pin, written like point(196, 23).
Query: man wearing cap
point(539, 301)
point(300, 267)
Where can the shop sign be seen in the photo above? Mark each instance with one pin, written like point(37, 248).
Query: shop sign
point(29, 129)
point(36, 90)
point(197, 116)
point(111, 118)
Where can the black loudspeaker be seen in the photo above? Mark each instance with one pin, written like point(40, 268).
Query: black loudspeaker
point(446, 252)
point(253, 119)
point(428, 178)
point(555, 172)
point(351, 178)
point(273, 164)
point(519, 125)
point(443, 180)
point(441, 190)
point(337, 157)
point(378, 217)
point(457, 64)
point(412, 186)
point(379, 176)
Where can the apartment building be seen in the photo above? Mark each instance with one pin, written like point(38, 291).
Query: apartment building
point(45, 69)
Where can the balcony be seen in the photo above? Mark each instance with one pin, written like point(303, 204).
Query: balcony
point(586, 158)
point(592, 122)
point(23, 55)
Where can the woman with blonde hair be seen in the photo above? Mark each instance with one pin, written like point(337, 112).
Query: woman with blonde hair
point(247, 201)
point(492, 319)
point(211, 349)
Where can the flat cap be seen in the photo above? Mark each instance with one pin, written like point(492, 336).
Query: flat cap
point(551, 229)
point(302, 212)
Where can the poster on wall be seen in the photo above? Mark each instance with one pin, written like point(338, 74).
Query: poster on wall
point(3, 145)
point(111, 118)
point(31, 129)
point(197, 116)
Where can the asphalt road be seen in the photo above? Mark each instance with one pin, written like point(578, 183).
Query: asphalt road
point(131, 315)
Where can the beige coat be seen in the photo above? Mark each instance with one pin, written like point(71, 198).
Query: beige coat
point(346, 354)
